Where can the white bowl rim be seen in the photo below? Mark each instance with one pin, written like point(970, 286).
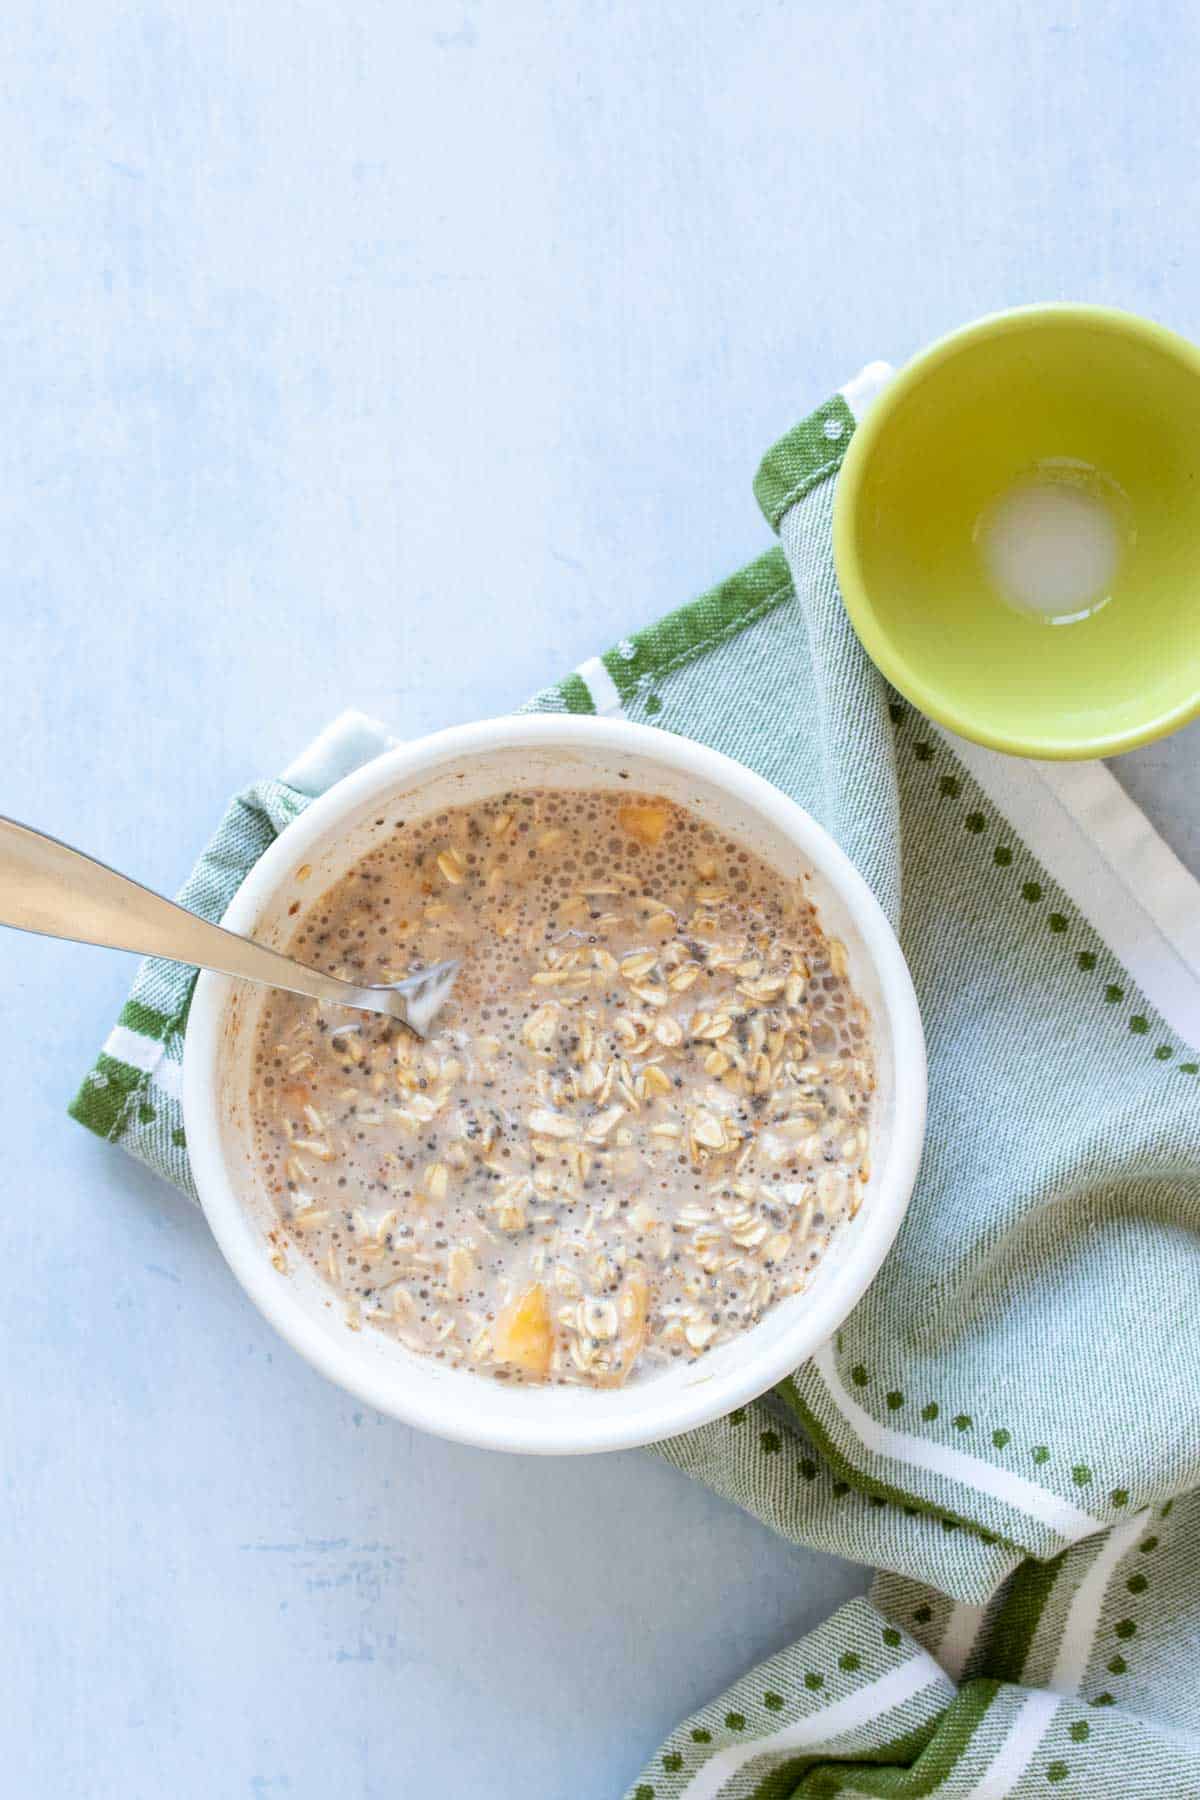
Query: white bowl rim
point(245, 1249)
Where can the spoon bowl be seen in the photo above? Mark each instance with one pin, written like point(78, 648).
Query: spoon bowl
point(48, 888)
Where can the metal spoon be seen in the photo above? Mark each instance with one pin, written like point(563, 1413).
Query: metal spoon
point(58, 892)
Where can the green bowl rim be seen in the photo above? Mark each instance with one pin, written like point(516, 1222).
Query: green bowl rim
point(845, 551)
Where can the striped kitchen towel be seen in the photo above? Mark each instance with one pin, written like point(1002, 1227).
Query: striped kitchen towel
point(1007, 1427)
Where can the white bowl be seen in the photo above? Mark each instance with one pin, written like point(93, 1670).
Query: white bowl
point(461, 766)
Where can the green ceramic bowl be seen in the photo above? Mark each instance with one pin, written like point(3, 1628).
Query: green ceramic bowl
point(975, 418)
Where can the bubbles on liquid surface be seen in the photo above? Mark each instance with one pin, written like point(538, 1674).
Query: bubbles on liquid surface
point(1052, 544)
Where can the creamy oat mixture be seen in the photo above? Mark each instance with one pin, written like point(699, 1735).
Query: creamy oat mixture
point(636, 1124)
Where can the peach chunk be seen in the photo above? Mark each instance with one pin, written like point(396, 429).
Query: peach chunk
point(645, 820)
point(522, 1334)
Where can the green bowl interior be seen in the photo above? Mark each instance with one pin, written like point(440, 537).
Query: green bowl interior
point(1124, 398)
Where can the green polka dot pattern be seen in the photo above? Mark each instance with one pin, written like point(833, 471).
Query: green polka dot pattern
point(975, 821)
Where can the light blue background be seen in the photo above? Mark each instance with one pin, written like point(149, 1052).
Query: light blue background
point(402, 354)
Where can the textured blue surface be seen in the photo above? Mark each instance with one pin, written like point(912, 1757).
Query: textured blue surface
point(401, 356)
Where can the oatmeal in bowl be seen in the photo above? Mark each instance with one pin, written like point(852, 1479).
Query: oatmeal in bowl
point(634, 1128)
point(652, 1149)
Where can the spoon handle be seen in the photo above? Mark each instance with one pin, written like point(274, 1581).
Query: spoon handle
point(47, 887)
